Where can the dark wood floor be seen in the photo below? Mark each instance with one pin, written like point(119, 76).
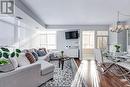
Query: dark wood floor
point(94, 78)
point(77, 61)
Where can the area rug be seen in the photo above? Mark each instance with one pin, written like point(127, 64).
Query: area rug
point(62, 78)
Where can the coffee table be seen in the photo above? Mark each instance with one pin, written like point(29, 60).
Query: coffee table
point(61, 61)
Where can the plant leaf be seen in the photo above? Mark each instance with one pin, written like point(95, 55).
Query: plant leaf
point(12, 54)
point(18, 50)
point(4, 61)
point(0, 54)
point(5, 49)
point(6, 55)
point(17, 54)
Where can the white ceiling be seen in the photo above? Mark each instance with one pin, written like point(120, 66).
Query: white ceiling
point(78, 12)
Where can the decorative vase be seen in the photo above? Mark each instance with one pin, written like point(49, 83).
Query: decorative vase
point(117, 49)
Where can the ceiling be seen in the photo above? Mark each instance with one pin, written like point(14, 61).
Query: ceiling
point(78, 12)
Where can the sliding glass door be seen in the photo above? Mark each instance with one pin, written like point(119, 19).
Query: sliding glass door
point(102, 39)
point(92, 40)
point(88, 44)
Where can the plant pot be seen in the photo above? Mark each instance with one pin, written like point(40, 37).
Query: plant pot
point(117, 49)
point(6, 68)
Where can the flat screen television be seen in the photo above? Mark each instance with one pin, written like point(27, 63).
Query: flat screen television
point(71, 35)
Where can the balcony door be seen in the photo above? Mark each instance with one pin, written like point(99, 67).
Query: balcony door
point(92, 40)
point(88, 44)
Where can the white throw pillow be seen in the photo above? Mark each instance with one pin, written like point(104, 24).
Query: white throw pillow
point(14, 62)
point(22, 60)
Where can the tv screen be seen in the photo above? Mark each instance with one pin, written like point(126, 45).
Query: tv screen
point(71, 35)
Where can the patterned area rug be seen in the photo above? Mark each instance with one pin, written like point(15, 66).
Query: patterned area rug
point(62, 78)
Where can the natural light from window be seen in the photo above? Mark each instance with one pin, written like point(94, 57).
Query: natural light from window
point(88, 39)
point(102, 39)
point(48, 39)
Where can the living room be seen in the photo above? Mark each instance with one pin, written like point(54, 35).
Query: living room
point(63, 43)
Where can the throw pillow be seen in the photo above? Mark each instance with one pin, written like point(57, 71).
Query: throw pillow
point(14, 62)
point(44, 52)
point(35, 50)
point(35, 55)
point(22, 60)
point(44, 49)
point(40, 53)
point(30, 57)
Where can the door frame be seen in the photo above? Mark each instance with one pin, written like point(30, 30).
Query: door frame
point(95, 40)
point(81, 42)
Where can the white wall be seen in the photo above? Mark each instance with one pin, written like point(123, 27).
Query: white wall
point(112, 40)
point(118, 38)
point(69, 46)
point(18, 36)
point(128, 38)
point(6, 34)
point(122, 39)
point(62, 42)
point(28, 38)
point(23, 34)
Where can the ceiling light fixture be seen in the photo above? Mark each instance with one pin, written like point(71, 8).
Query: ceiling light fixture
point(119, 26)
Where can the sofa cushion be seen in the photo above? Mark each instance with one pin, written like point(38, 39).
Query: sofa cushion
point(35, 55)
point(41, 53)
point(44, 49)
point(46, 57)
point(46, 67)
point(35, 50)
point(14, 62)
point(22, 60)
point(30, 57)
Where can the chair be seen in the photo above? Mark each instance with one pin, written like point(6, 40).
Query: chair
point(125, 69)
point(122, 67)
point(102, 62)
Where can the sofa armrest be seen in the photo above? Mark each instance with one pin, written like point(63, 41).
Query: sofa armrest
point(25, 76)
point(45, 57)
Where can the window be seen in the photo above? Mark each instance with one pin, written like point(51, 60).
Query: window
point(48, 39)
point(102, 39)
point(102, 33)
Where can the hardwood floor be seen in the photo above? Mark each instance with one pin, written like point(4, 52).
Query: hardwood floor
point(77, 61)
point(91, 77)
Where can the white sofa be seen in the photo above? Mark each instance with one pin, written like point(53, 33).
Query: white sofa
point(46, 57)
point(31, 75)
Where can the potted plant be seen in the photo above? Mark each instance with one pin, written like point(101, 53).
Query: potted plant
point(117, 47)
point(5, 62)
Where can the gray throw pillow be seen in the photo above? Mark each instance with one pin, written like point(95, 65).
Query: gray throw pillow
point(35, 55)
point(40, 53)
